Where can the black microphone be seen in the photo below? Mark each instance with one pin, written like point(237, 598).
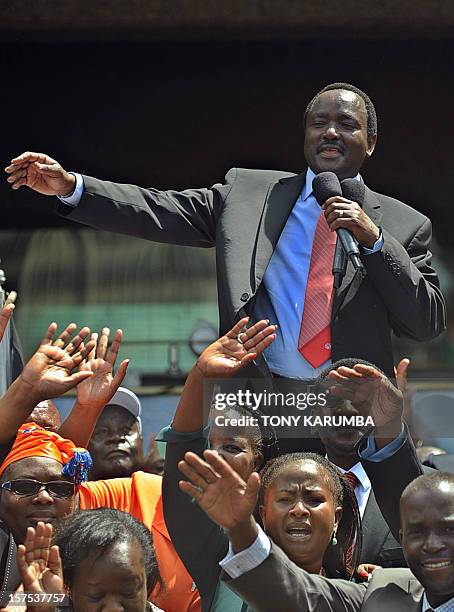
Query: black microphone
point(326, 185)
point(339, 264)
point(354, 190)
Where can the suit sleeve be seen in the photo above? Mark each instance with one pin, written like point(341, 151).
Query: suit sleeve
point(200, 543)
point(279, 584)
point(390, 476)
point(176, 217)
point(408, 285)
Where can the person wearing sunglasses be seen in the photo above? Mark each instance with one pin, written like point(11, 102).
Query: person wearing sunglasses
point(29, 487)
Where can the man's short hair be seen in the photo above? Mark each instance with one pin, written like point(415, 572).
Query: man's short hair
point(370, 108)
point(431, 482)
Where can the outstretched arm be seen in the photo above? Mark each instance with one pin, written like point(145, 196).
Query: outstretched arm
point(48, 374)
point(97, 390)
point(276, 582)
point(373, 394)
point(205, 544)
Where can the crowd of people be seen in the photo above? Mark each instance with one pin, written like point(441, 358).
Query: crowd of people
point(325, 531)
point(243, 513)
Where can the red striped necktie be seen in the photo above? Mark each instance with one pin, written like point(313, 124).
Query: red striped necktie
point(314, 342)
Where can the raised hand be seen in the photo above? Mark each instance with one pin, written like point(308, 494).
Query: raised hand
point(48, 373)
point(370, 391)
point(236, 349)
point(39, 563)
point(98, 389)
point(218, 489)
point(41, 173)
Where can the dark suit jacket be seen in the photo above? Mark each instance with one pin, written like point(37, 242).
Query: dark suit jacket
point(279, 584)
point(244, 218)
point(379, 545)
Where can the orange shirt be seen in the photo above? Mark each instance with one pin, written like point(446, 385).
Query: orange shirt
point(140, 495)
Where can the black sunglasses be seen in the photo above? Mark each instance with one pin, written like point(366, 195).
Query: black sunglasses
point(27, 486)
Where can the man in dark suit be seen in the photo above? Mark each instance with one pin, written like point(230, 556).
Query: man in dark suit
point(264, 226)
point(379, 546)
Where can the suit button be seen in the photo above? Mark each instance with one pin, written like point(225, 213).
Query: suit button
point(244, 297)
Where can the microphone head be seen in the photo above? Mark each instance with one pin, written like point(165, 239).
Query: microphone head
point(326, 185)
point(354, 190)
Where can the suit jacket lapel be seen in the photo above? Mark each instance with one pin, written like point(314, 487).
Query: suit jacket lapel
point(276, 210)
point(353, 279)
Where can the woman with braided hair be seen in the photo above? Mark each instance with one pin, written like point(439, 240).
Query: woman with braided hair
point(286, 478)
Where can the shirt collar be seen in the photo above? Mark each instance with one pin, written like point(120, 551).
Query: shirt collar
point(360, 474)
point(448, 606)
point(307, 189)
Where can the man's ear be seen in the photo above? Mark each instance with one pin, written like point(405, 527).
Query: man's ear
point(371, 142)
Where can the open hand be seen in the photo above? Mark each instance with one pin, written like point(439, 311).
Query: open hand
point(218, 489)
point(236, 349)
point(369, 390)
point(98, 389)
point(41, 173)
point(48, 373)
point(39, 563)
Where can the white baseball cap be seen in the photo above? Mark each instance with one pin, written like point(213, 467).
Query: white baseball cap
point(130, 402)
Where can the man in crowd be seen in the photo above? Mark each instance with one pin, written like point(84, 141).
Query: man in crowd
point(272, 242)
point(116, 445)
point(379, 545)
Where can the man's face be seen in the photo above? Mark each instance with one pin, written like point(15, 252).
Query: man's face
point(427, 518)
point(336, 137)
point(116, 445)
point(22, 511)
point(340, 441)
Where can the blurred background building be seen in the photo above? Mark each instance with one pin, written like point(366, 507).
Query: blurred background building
point(172, 94)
